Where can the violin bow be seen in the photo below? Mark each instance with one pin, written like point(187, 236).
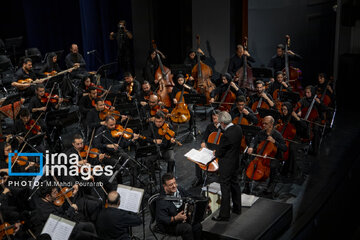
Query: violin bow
point(52, 89)
point(127, 120)
point(58, 185)
point(91, 139)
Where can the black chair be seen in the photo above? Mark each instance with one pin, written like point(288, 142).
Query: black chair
point(152, 225)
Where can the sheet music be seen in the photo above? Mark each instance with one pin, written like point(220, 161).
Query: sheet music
point(130, 198)
point(204, 156)
point(248, 200)
point(58, 228)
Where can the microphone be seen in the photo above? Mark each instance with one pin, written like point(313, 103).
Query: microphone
point(92, 51)
point(99, 134)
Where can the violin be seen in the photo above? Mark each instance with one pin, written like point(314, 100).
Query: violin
point(20, 160)
point(127, 133)
point(33, 127)
point(259, 167)
point(158, 107)
point(92, 153)
point(103, 114)
point(168, 133)
point(52, 73)
point(64, 194)
point(7, 229)
point(98, 88)
point(107, 104)
point(53, 98)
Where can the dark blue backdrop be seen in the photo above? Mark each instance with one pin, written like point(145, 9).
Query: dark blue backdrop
point(55, 25)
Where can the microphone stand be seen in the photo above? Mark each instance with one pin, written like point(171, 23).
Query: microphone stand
point(206, 176)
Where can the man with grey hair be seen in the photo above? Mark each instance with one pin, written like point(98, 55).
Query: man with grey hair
point(228, 154)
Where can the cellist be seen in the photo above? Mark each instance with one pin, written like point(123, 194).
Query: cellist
point(220, 90)
point(270, 134)
point(243, 112)
point(261, 97)
point(279, 84)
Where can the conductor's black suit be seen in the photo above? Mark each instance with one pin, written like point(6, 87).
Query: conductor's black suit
point(228, 153)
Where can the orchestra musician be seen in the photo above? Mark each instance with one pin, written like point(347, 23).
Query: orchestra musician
point(269, 133)
point(260, 94)
point(86, 103)
point(145, 93)
point(166, 146)
point(277, 62)
point(51, 64)
point(74, 58)
point(242, 111)
point(131, 87)
point(114, 223)
point(237, 61)
point(278, 84)
point(151, 65)
point(211, 127)
point(228, 154)
point(169, 216)
point(24, 73)
point(220, 90)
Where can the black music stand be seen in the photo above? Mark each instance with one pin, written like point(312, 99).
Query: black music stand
point(180, 68)
point(103, 70)
point(262, 73)
point(195, 99)
point(266, 112)
point(250, 131)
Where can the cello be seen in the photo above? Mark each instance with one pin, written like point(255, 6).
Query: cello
point(288, 131)
point(214, 139)
point(181, 113)
point(259, 167)
point(166, 84)
point(202, 73)
point(292, 74)
point(244, 74)
point(227, 99)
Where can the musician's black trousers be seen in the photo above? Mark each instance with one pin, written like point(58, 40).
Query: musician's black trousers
point(185, 230)
point(169, 157)
point(229, 185)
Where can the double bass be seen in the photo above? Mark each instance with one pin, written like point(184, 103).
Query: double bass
point(202, 73)
point(166, 84)
point(244, 74)
point(292, 74)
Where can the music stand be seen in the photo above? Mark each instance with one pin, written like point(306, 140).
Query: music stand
point(103, 69)
point(180, 68)
point(14, 43)
point(266, 112)
point(250, 131)
point(289, 96)
point(262, 73)
point(195, 99)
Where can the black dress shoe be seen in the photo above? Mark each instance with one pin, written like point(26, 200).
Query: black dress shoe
point(238, 212)
point(218, 219)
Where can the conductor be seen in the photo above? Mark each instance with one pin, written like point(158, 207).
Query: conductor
point(228, 154)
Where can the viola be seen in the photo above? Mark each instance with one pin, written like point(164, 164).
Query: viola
point(33, 127)
point(126, 133)
point(20, 160)
point(7, 229)
point(259, 167)
point(168, 133)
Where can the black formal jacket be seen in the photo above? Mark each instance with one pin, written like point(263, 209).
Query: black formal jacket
point(229, 149)
point(113, 223)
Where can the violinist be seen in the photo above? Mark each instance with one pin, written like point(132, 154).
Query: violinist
point(228, 154)
point(303, 108)
point(261, 97)
point(131, 87)
point(51, 65)
point(41, 104)
point(86, 103)
point(269, 133)
point(237, 61)
point(23, 126)
point(145, 93)
point(106, 142)
point(220, 90)
point(277, 62)
point(23, 73)
point(242, 111)
point(93, 120)
point(155, 105)
point(166, 146)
